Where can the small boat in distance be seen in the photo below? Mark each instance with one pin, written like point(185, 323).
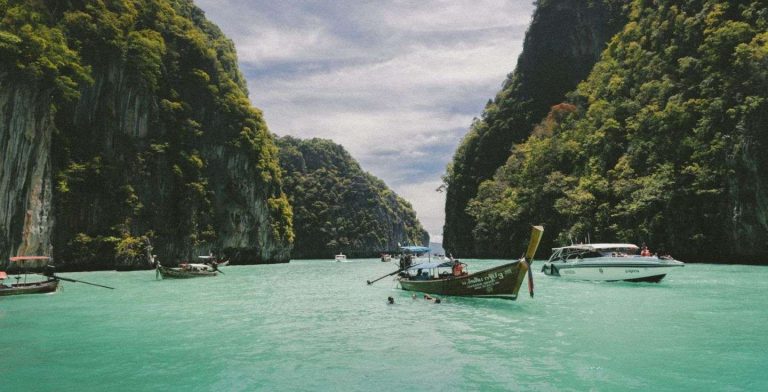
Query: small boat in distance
point(385, 258)
point(608, 262)
point(451, 277)
point(340, 257)
point(50, 285)
point(211, 259)
point(186, 270)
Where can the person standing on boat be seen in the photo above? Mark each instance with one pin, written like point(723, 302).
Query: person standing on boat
point(645, 252)
point(458, 268)
point(405, 261)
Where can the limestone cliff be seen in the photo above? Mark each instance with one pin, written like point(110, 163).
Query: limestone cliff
point(130, 123)
point(26, 125)
point(564, 40)
point(663, 142)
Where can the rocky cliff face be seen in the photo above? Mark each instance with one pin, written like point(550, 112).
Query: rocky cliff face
point(142, 133)
point(663, 143)
point(340, 208)
point(563, 42)
point(26, 126)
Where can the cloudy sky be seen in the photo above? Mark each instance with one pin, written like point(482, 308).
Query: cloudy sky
point(397, 83)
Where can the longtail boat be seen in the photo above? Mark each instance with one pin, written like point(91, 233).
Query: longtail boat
point(50, 285)
point(451, 278)
point(36, 287)
point(211, 259)
point(186, 270)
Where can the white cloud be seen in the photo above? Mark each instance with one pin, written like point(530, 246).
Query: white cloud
point(428, 203)
point(451, 15)
point(397, 83)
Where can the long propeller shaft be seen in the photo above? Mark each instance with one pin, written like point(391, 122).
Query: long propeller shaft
point(80, 281)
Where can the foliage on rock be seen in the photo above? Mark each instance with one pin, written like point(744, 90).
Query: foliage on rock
point(155, 133)
point(665, 142)
point(338, 207)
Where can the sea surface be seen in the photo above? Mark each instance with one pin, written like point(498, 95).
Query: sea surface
point(314, 325)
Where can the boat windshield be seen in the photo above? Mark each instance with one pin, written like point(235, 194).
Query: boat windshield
point(577, 253)
point(618, 252)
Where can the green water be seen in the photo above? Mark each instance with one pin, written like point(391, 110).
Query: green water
point(316, 325)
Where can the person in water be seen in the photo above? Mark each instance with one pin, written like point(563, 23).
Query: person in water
point(431, 299)
point(390, 301)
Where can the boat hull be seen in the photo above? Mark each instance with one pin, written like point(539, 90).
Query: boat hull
point(613, 269)
point(47, 286)
point(499, 282)
point(178, 273)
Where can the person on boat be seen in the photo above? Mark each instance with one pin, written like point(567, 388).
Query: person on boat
point(645, 252)
point(405, 261)
point(458, 268)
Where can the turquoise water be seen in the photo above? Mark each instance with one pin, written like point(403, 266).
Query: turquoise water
point(316, 325)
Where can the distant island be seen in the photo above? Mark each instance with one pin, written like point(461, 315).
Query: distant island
point(338, 207)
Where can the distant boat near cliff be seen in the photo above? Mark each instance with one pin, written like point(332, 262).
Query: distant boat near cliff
point(186, 270)
point(340, 257)
point(50, 285)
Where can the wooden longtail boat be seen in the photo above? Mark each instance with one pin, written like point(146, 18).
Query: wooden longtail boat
point(46, 286)
point(186, 270)
point(49, 285)
point(211, 259)
point(448, 278)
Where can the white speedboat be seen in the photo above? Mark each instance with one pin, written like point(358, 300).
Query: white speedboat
point(341, 257)
point(608, 262)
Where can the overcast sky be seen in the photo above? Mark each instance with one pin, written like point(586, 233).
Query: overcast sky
point(397, 83)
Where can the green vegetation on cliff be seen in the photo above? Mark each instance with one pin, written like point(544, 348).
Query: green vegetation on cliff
point(153, 136)
point(663, 143)
point(338, 207)
point(564, 40)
